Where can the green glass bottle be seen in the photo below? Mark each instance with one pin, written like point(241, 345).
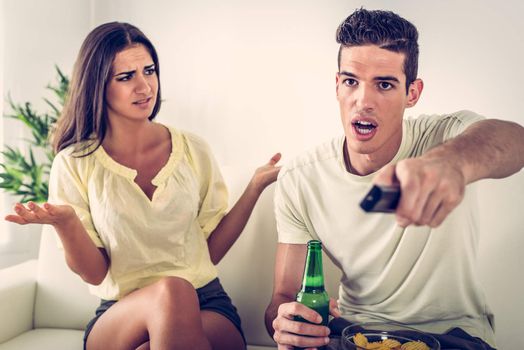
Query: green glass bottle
point(312, 293)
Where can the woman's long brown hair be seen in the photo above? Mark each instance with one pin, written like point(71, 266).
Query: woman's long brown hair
point(84, 117)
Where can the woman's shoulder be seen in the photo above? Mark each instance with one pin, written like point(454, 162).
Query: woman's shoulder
point(80, 152)
point(188, 141)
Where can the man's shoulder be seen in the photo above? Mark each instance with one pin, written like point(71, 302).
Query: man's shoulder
point(315, 157)
point(463, 116)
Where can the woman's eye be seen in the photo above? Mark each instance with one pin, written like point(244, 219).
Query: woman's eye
point(124, 77)
point(150, 71)
point(383, 85)
point(350, 82)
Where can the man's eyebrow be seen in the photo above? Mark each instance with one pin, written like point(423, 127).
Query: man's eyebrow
point(349, 74)
point(387, 78)
point(378, 78)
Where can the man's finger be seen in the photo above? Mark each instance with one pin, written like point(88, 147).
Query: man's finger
point(300, 341)
point(430, 209)
point(440, 215)
point(290, 310)
point(333, 308)
point(386, 176)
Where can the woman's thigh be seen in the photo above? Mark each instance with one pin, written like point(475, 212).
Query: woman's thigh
point(221, 332)
point(125, 324)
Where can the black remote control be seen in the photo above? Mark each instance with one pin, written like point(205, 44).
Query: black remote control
point(381, 199)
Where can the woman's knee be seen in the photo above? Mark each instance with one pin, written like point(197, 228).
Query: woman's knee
point(175, 290)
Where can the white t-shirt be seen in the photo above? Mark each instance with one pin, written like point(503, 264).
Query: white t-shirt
point(146, 239)
point(419, 276)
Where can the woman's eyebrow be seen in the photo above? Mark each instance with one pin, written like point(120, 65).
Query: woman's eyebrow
point(125, 73)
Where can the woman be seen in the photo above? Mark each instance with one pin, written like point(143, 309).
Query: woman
point(140, 208)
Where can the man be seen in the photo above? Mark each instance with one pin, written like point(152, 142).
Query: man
point(417, 266)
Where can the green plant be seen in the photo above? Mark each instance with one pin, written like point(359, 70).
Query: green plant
point(24, 174)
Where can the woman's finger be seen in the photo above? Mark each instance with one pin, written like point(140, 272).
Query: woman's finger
point(274, 160)
point(16, 219)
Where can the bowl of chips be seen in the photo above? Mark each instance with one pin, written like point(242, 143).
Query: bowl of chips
point(382, 335)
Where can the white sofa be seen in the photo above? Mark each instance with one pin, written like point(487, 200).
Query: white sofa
point(43, 305)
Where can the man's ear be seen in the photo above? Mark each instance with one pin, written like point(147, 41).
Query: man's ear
point(337, 80)
point(414, 91)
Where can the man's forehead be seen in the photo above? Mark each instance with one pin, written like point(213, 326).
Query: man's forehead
point(371, 58)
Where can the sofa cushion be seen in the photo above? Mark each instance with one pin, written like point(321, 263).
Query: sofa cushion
point(61, 339)
point(62, 298)
point(46, 339)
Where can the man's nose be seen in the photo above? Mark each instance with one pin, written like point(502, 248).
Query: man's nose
point(365, 97)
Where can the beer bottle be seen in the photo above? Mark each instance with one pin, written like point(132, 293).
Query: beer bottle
point(312, 293)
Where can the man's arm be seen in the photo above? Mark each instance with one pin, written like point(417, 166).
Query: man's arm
point(289, 267)
point(433, 184)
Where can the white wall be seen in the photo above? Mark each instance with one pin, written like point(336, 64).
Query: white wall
point(36, 36)
point(3, 238)
point(254, 78)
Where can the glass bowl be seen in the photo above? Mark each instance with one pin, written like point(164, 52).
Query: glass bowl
point(379, 331)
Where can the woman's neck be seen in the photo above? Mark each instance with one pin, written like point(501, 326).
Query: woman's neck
point(130, 137)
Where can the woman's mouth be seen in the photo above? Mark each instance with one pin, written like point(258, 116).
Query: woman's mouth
point(143, 102)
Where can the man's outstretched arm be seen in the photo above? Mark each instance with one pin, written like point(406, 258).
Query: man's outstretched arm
point(433, 184)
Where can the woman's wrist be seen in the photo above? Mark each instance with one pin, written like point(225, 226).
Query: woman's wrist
point(67, 223)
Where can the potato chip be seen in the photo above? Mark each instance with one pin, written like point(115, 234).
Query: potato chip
point(391, 343)
point(360, 340)
point(414, 345)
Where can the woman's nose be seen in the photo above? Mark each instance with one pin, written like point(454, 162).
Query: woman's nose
point(143, 86)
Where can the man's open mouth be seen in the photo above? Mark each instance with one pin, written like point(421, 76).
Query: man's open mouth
point(364, 127)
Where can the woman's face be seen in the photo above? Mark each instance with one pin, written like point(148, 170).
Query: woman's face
point(133, 85)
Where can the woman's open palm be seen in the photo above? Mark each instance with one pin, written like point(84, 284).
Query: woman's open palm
point(45, 214)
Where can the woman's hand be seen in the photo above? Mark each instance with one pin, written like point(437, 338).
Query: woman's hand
point(266, 174)
point(55, 215)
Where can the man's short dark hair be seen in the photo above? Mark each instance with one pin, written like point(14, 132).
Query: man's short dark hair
point(384, 29)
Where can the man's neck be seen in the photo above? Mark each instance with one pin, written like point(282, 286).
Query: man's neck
point(365, 164)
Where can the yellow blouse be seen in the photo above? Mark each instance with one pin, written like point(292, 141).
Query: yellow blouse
point(146, 239)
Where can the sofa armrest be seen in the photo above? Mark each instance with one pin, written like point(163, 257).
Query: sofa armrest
point(17, 299)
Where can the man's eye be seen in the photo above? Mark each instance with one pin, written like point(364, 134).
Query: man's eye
point(350, 82)
point(383, 85)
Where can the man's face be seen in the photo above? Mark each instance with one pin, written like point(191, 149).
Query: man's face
point(371, 91)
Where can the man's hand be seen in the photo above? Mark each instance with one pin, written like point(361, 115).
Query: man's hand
point(431, 187)
point(290, 333)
